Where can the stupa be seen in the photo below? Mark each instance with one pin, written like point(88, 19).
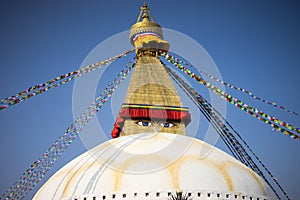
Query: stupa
point(150, 156)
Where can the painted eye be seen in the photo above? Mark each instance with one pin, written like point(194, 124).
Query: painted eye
point(167, 124)
point(141, 123)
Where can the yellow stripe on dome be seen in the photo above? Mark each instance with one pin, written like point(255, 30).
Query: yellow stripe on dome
point(156, 107)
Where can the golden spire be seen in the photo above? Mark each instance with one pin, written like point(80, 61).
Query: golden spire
point(152, 103)
point(146, 34)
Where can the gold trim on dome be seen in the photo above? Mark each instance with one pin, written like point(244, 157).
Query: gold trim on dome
point(158, 107)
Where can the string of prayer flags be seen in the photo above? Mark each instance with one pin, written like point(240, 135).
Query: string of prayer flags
point(275, 123)
point(53, 83)
point(233, 87)
point(34, 174)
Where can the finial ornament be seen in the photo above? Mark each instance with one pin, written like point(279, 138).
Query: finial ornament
point(145, 33)
point(145, 14)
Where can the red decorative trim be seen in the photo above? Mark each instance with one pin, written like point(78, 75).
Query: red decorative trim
point(137, 113)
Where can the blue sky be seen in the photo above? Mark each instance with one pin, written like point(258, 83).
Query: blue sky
point(255, 45)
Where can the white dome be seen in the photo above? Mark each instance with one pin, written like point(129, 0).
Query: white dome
point(151, 166)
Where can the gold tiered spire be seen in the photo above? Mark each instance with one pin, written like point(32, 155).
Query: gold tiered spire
point(150, 84)
point(152, 103)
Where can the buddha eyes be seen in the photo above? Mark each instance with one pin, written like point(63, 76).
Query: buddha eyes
point(141, 123)
point(162, 124)
point(167, 124)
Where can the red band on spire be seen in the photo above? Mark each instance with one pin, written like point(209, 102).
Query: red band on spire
point(172, 115)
